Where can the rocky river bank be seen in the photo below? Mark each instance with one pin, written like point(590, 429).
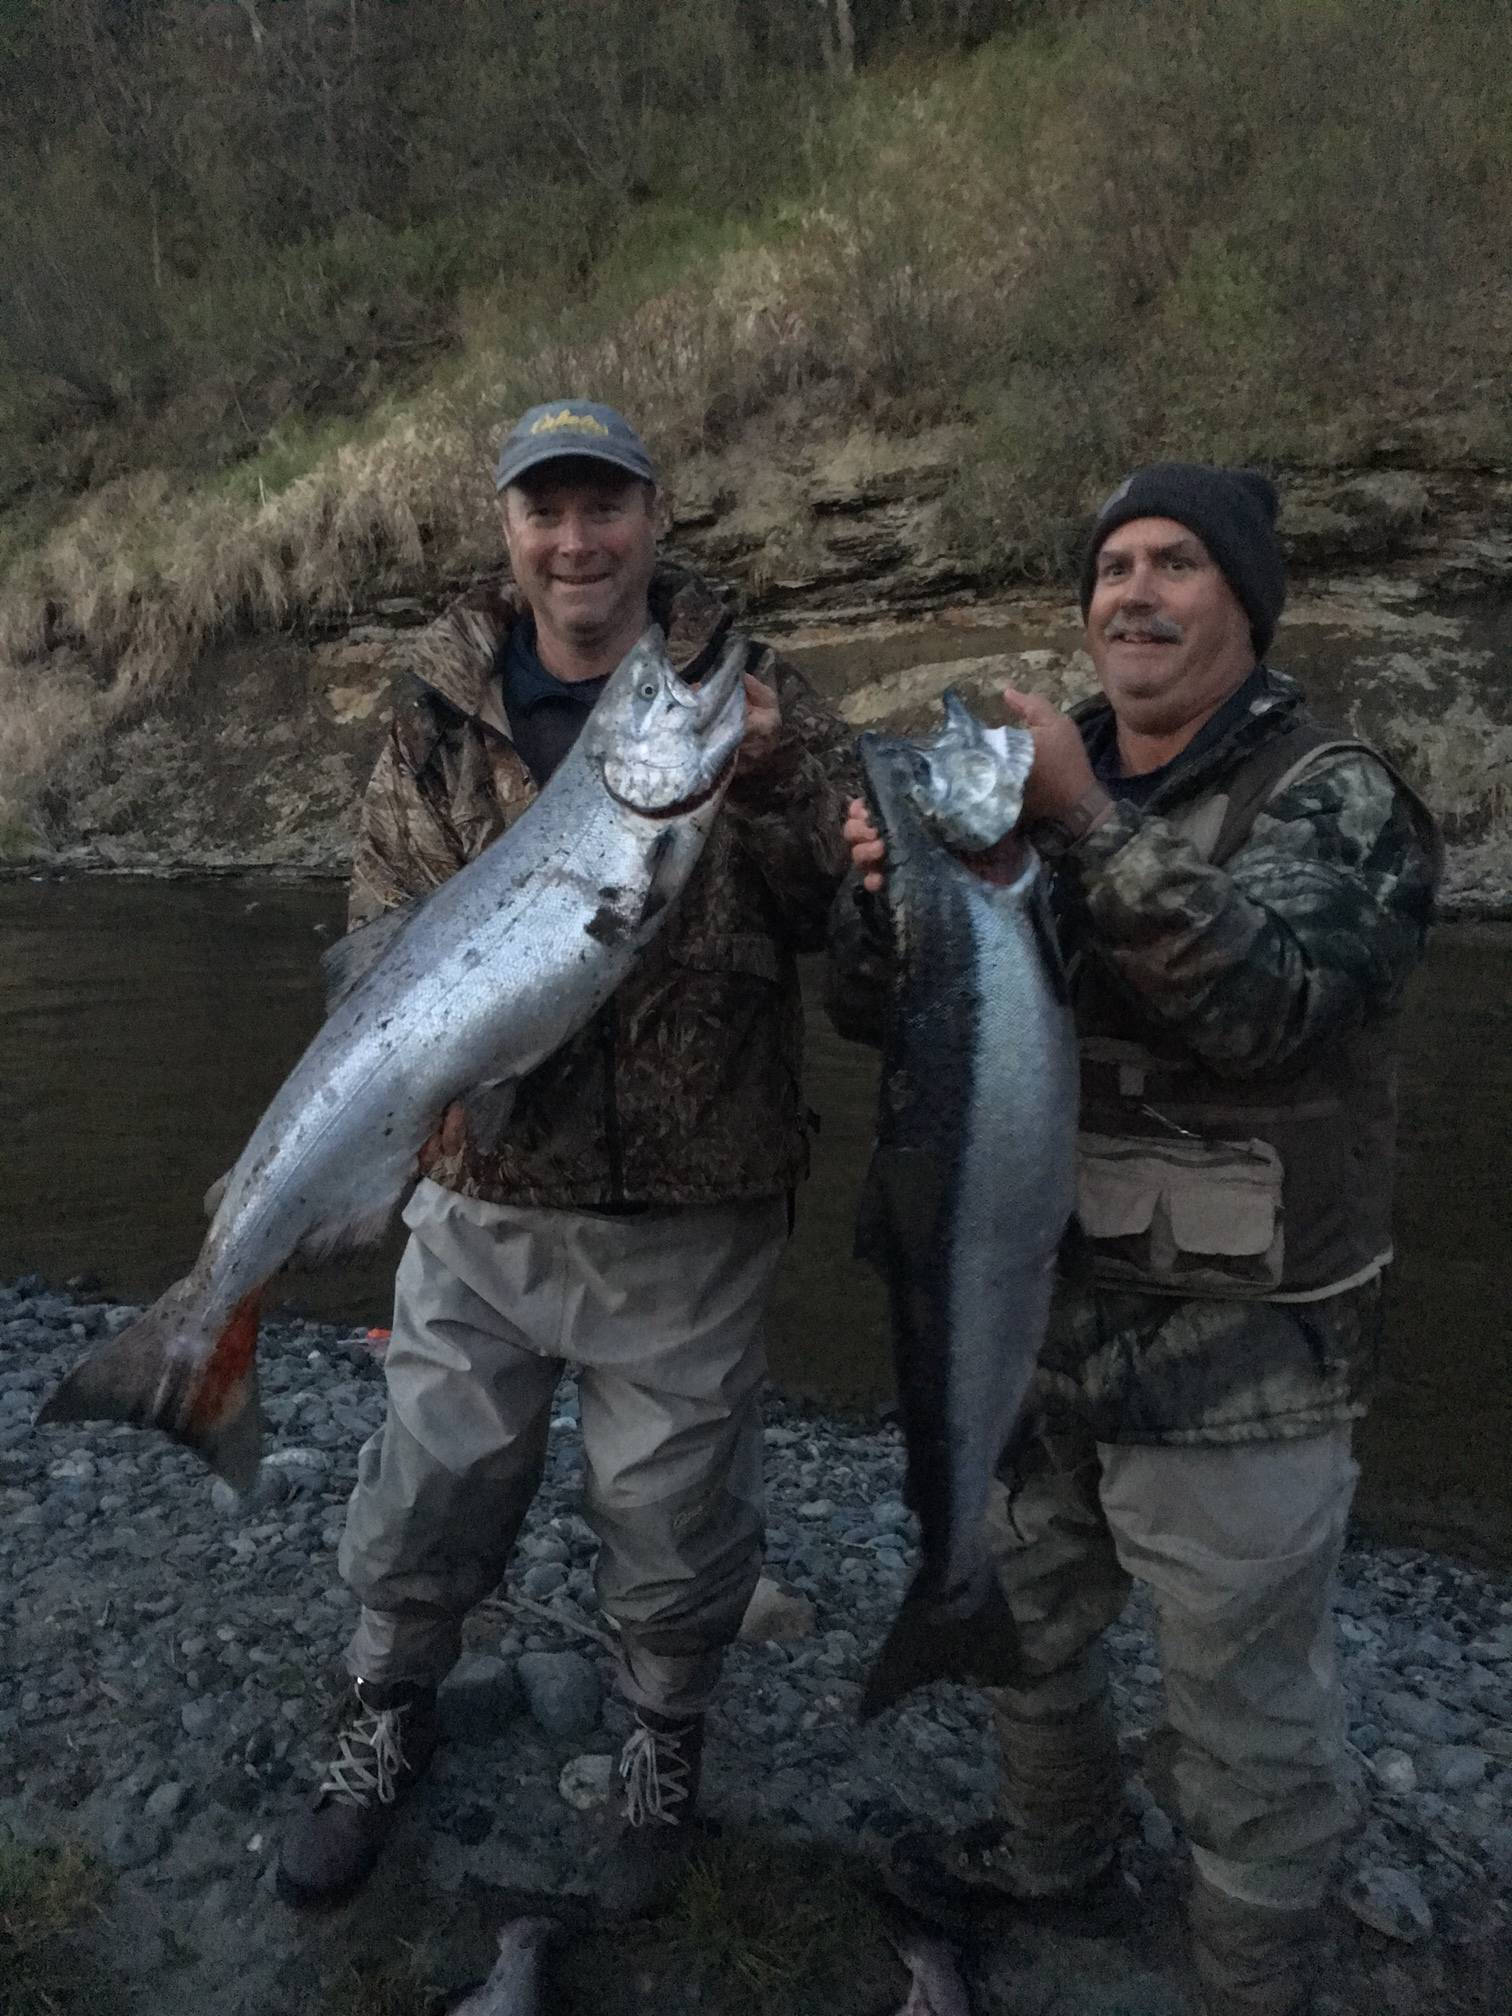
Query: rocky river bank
point(170, 1651)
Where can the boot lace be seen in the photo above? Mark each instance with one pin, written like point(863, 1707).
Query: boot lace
point(657, 1776)
point(369, 1758)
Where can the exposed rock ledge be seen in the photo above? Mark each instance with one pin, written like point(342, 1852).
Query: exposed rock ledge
point(1400, 622)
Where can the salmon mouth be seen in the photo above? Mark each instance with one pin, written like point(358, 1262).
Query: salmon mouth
point(678, 807)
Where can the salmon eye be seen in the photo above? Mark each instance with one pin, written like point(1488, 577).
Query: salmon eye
point(648, 691)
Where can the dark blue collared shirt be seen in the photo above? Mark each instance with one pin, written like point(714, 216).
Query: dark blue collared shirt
point(545, 714)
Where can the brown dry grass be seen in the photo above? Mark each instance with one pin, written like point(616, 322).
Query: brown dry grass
point(45, 713)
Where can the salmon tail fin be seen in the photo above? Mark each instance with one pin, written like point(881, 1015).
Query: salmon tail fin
point(932, 1640)
point(167, 1371)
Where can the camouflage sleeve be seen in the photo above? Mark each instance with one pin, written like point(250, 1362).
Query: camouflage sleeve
point(790, 811)
point(858, 966)
point(405, 843)
point(1313, 926)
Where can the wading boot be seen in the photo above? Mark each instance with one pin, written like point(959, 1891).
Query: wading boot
point(661, 1765)
point(1052, 1856)
point(385, 1740)
point(959, 1880)
point(1256, 1959)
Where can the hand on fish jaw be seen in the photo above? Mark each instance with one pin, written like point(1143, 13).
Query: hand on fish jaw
point(763, 727)
point(1000, 864)
point(1061, 777)
point(968, 787)
point(962, 789)
point(867, 852)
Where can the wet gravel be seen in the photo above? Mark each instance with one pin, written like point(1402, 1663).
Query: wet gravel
point(168, 1652)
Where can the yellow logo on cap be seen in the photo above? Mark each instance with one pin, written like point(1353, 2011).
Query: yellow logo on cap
point(580, 423)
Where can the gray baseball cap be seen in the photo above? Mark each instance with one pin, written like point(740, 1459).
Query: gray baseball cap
point(575, 427)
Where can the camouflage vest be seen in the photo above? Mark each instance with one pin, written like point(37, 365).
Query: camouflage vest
point(1270, 1188)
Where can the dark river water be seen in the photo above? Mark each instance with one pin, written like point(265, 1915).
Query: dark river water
point(143, 1027)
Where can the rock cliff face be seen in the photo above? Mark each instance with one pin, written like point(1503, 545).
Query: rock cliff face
point(1400, 622)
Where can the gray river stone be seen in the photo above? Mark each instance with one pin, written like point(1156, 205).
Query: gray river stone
point(1395, 1770)
point(478, 1699)
point(1455, 1767)
point(201, 1717)
point(543, 1580)
point(1390, 1901)
point(562, 1691)
point(128, 1843)
point(1429, 1720)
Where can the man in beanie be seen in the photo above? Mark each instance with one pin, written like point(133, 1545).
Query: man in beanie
point(1242, 894)
point(632, 1217)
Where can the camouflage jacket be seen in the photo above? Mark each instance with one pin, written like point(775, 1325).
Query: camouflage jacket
point(686, 1088)
point(1255, 968)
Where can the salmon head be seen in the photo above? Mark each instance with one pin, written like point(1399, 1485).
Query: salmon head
point(662, 746)
point(964, 785)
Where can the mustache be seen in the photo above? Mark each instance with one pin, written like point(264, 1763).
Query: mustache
point(1159, 629)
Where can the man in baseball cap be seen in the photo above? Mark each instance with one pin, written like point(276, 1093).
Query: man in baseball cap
point(1241, 893)
point(630, 1219)
point(563, 428)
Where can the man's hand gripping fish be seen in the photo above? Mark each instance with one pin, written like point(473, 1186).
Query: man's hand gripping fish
point(972, 1178)
point(455, 997)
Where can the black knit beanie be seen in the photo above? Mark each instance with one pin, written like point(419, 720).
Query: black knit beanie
point(1233, 513)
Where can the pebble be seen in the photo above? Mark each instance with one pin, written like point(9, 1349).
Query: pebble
point(562, 1691)
point(775, 1615)
point(587, 1781)
point(199, 1718)
point(1395, 1770)
point(1390, 1901)
point(1455, 1767)
point(128, 1844)
point(543, 1580)
point(1419, 1716)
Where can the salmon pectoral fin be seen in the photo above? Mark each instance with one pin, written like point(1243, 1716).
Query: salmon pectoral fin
point(929, 1641)
point(354, 1231)
point(158, 1374)
point(349, 961)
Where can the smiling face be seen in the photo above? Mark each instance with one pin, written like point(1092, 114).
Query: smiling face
point(581, 540)
point(1167, 635)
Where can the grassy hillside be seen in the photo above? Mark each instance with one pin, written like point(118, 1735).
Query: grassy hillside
point(1262, 229)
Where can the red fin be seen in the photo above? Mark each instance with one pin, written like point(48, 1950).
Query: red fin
point(221, 1390)
point(158, 1374)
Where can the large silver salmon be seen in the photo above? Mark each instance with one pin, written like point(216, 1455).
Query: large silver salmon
point(456, 997)
point(971, 1183)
